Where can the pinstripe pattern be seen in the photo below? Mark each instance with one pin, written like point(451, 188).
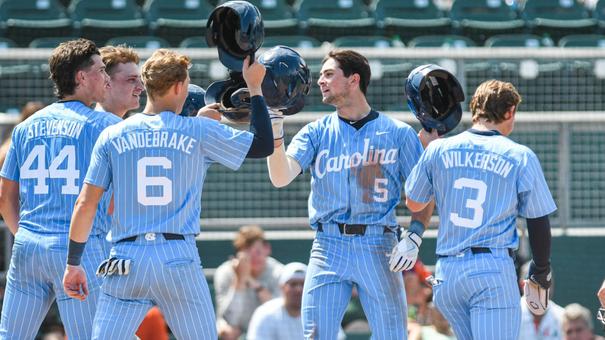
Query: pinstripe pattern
point(357, 178)
point(46, 201)
point(157, 165)
point(481, 182)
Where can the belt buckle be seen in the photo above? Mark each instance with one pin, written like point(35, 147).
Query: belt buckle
point(150, 236)
point(344, 230)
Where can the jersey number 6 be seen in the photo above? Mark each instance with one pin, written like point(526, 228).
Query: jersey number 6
point(144, 181)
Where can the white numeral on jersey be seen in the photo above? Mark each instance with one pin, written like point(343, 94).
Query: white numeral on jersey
point(41, 173)
point(475, 204)
point(143, 181)
point(380, 188)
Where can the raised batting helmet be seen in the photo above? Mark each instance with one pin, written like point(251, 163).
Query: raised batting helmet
point(233, 98)
point(287, 80)
point(194, 102)
point(434, 96)
point(236, 29)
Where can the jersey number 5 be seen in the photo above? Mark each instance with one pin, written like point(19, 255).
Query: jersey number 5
point(144, 181)
point(476, 204)
point(41, 173)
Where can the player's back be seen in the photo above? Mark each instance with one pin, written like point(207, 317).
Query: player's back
point(49, 155)
point(158, 164)
point(477, 179)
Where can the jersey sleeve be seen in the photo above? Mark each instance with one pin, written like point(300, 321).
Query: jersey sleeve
point(224, 144)
point(535, 199)
point(99, 171)
point(411, 150)
point(10, 168)
point(419, 184)
point(303, 146)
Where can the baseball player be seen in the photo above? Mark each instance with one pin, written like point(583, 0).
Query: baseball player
point(156, 162)
point(358, 159)
point(40, 181)
point(481, 181)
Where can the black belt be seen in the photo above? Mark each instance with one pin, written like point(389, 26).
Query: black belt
point(353, 229)
point(167, 236)
point(482, 250)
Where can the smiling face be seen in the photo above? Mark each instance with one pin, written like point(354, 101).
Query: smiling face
point(125, 88)
point(333, 84)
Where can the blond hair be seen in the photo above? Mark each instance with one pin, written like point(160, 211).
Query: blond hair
point(115, 55)
point(247, 236)
point(492, 99)
point(162, 70)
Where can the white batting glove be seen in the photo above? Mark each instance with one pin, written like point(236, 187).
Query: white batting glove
point(405, 253)
point(537, 288)
point(277, 124)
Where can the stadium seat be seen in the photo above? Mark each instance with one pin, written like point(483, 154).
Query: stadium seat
point(295, 41)
point(557, 18)
point(371, 41)
point(100, 20)
point(447, 41)
point(518, 40)
point(583, 40)
point(139, 41)
point(25, 20)
point(278, 16)
point(410, 18)
point(328, 20)
point(49, 42)
point(175, 20)
point(480, 19)
point(194, 42)
point(599, 14)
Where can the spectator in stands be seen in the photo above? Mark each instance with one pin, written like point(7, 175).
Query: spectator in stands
point(28, 109)
point(153, 326)
point(245, 282)
point(122, 66)
point(577, 323)
point(439, 329)
point(279, 318)
point(547, 326)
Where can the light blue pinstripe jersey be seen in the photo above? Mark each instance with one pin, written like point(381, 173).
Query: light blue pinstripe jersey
point(48, 156)
point(357, 175)
point(157, 165)
point(481, 183)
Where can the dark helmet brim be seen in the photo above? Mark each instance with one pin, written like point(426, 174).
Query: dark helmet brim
point(194, 102)
point(220, 92)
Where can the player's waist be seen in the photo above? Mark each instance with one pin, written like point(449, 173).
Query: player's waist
point(346, 229)
point(148, 238)
point(480, 250)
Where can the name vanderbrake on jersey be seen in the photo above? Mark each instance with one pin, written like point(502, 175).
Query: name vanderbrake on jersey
point(154, 139)
point(55, 127)
point(480, 160)
point(369, 156)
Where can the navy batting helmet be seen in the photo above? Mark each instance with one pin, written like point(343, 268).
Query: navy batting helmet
point(233, 98)
point(236, 29)
point(194, 102)
point(287, 80)
point(434, 96)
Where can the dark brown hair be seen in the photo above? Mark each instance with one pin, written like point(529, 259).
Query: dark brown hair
point(492, 99)
point(66, 60)
point(351, 62)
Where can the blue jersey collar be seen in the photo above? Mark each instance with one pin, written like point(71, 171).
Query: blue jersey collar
point(485, 133)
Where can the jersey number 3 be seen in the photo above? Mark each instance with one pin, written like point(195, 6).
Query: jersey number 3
point(144, 181)
point(475, 204)
point(41, 173)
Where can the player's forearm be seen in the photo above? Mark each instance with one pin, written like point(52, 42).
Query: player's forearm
point(282, 168)
point(538, 230)
point(9, 204)
point(424, 215)
point(84, 213)
point(260, 126)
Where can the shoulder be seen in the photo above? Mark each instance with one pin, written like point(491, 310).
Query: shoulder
point(270, 309)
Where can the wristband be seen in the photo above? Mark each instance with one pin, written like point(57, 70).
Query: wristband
point(74, 252)
point(416, 227)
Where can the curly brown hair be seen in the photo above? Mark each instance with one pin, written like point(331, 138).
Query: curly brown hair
point(66, 60)
point(492, 99)
point(115, 55)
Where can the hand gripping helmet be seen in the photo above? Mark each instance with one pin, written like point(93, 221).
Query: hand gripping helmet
point(194, 102)
point(233, 98)
point(287, 80)
point(236, 29)
point(434, 96)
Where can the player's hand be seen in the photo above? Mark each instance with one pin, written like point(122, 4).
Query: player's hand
point(536, 288)
point(210, 111)
point(427, 137)
point(405, 253)
point(74, 282)
point(601, 294)
point(253, 75)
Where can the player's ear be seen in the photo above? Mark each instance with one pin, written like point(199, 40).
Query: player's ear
point(510, 112)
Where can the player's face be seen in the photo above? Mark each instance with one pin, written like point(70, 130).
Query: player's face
point(576, 330)
point(97, 80)
point(125, 87)
point(292, 292)
point(333, 84)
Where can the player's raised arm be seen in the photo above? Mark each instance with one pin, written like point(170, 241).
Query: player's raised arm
point(260, 125)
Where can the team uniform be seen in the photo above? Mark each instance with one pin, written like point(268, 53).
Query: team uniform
point(357, 178)
point(48, 157)
point(480, 181)
point(157, 165)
